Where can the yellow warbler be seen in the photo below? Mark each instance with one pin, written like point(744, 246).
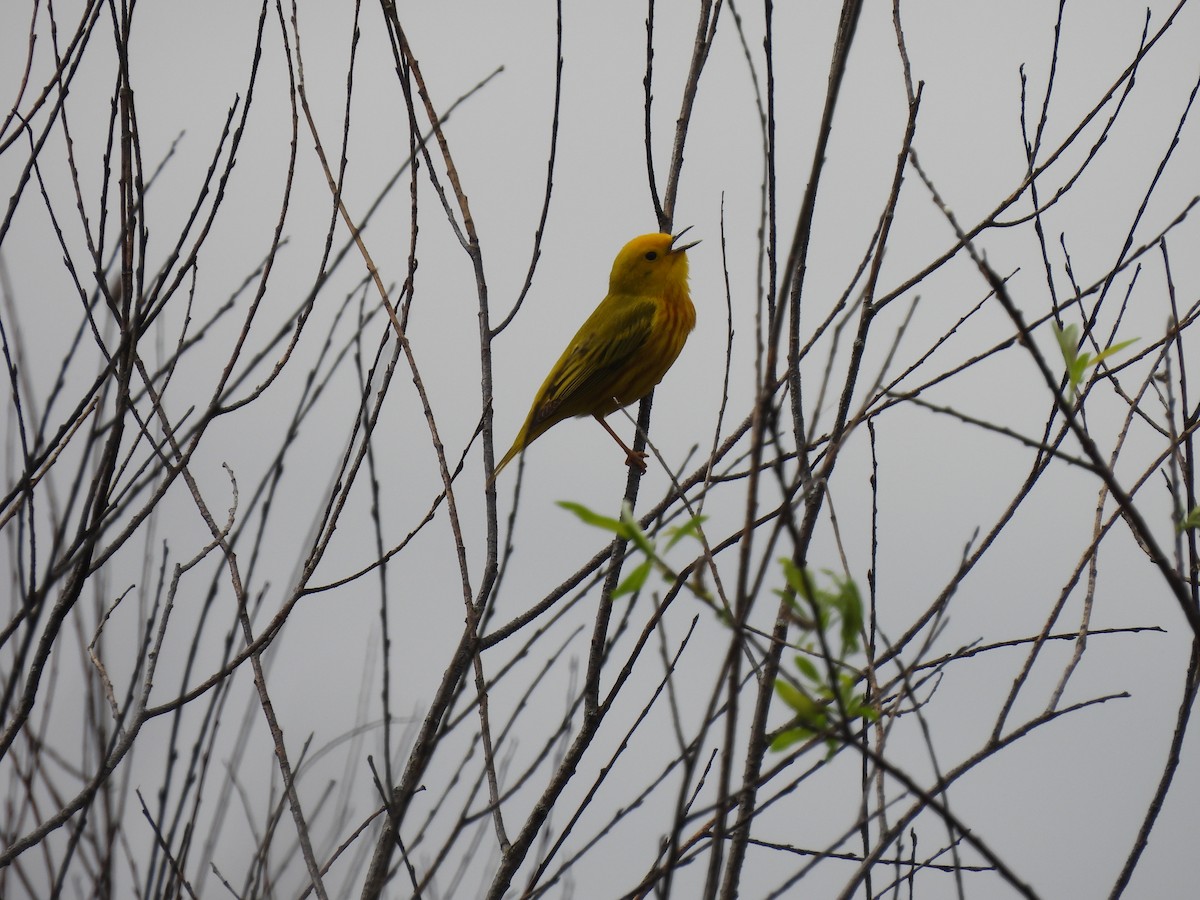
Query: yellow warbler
point(624, 348)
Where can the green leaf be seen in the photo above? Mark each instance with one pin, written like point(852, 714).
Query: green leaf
point(1068, 342)
point(796, 578)
point(594, 518)
point(1076, 369)
point(850, 606)
point(1078, 363)
point(1068, 345)
point(808, 669)
point(1109, 351)
point(793, 696)
point(689, 528)
point(861, 710)
point(790, 736)
point(634, 532)
point(1190, 521)
point(632, 583)
point(810, 713)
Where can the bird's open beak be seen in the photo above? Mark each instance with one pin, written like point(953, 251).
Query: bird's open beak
point(675, 238)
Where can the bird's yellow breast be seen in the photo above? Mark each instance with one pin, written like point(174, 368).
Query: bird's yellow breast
point(674, 319)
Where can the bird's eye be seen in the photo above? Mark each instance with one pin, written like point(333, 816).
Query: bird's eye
point(652, 255)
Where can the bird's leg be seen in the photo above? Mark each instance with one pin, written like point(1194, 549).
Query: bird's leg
point(632, 457)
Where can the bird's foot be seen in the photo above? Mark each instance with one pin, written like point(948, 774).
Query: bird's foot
point(637, 458)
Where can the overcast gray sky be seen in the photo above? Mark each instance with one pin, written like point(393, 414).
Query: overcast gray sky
point(1062, 805)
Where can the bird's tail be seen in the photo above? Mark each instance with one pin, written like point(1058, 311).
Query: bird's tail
point(517, 447)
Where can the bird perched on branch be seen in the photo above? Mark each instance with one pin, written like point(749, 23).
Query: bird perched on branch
point(624, 348)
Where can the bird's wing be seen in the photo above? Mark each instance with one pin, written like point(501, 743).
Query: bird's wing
point(583, 378)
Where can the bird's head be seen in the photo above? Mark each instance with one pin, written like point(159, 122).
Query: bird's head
point(650, 264)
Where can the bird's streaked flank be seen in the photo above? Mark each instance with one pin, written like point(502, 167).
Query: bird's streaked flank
point(624, 348)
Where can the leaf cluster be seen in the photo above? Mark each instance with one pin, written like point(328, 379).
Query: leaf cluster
point(627, 528)
point(1078, 362)
point(824, 698)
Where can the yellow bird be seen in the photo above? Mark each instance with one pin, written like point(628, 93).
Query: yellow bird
point(624, 348)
